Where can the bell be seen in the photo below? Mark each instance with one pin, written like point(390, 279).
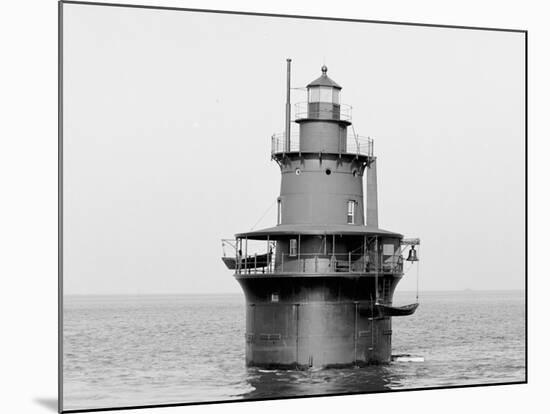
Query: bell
point(412, 255)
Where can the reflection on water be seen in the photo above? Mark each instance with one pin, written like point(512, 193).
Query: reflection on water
point(148, 350)
point(317, 382)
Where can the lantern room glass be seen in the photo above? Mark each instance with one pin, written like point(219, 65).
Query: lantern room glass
point(323, 94)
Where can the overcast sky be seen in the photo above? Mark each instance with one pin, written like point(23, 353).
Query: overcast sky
point(167, 124)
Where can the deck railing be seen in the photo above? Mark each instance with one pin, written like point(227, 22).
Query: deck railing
point(278, 143)
point(355, 144)
point(321, 263)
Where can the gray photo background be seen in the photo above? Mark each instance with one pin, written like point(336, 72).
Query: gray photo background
point(167, 124)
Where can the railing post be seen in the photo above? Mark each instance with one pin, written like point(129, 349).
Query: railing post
point(282, 262)
point(365, 253)
point(316, 264)
point(238, 256)
point(377, 268)
point(333, 258)
point(246, 270)
point(372, 147)
point(299, 242)
point(255, 262)
point(349, 262)
point(268, 263)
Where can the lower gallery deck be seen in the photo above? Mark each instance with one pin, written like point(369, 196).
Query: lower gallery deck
point(316, 254)
point(318, 300)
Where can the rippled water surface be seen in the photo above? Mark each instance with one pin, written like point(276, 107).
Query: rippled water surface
point(130, 350)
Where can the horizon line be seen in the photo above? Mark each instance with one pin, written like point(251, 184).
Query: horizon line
point(466, 290)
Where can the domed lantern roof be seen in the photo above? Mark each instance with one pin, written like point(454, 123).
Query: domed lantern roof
point(324, 89)
point(324, 80)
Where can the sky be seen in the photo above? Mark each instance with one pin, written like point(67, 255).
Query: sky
point(167, 123)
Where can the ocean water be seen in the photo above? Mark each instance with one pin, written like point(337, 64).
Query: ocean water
point(145, 350)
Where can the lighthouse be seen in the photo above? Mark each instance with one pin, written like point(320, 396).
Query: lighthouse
point(319, 292)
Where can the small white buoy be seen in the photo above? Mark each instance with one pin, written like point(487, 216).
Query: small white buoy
point(408, 359)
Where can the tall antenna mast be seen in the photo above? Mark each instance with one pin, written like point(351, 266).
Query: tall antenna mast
point(287, 114)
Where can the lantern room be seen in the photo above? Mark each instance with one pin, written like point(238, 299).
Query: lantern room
point(323, 97)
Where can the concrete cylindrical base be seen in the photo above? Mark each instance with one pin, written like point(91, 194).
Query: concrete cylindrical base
point(335, 332)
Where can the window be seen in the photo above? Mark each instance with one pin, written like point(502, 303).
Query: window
point(314, 93)
point(388, 249)
point(279, 212)
point(335, 96)
point(326, 94)
point(323, 94)
point(351, 212)
point(293, 247)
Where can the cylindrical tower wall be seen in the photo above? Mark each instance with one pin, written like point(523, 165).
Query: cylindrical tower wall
point(323, 136)
point(315, 191)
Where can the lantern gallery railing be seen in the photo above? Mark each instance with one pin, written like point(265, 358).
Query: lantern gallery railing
point(305, 110)
point(355, 144)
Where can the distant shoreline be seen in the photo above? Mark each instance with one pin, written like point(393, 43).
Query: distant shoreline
point(422, 292)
